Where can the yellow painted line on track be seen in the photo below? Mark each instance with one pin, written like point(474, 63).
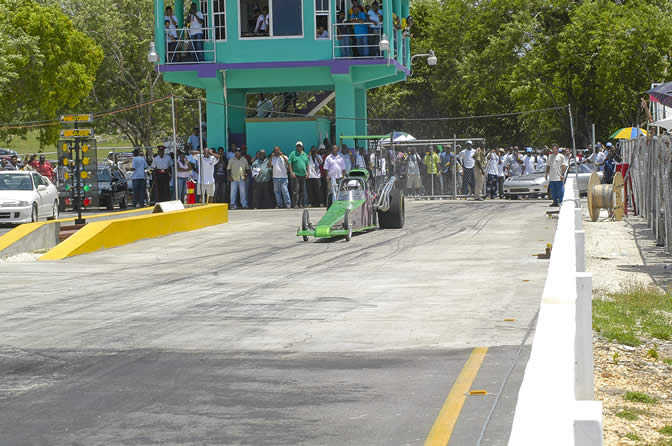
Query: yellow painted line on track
point(445, 421)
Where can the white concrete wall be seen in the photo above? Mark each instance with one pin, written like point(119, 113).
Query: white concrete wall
point(555, 403)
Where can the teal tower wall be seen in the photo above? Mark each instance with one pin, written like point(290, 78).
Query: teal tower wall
point(236, 65)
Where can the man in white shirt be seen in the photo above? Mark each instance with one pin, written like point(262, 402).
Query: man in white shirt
point(528, 161)
point(162, 166)
point(377, 162)
point(195, 21)
point(206, 173)
point(541, 160)
point(262, 22)
point(501, 172)
point(414, 181)
point(334, 165)
point(555, 174)
point(347, 157)
point(359, 159)
point(280, 165)
point(491, 171)
point(467, 161)
point(601, 157)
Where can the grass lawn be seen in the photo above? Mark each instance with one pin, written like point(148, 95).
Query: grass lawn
point(626, 316)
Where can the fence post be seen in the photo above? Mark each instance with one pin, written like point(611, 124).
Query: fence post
point(580, 241)
point(583, 343)
point(455, 167)
point(578, 218)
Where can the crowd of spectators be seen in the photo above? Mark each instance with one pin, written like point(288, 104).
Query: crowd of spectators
point(34, 162)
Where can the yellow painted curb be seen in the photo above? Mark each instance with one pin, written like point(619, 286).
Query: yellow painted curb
point(24, 229)
point(110, 233)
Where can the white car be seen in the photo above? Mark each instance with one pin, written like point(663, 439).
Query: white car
point(535, 185)
point(26, 197)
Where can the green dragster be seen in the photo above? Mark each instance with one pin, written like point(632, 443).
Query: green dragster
point(356, 208)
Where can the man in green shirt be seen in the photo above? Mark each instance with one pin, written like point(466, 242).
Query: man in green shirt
point(298, 168)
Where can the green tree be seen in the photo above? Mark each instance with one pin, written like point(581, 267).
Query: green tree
point(501, 56)
point(46, 65)
point(124, 29)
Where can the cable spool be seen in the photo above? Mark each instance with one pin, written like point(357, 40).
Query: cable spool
point(605, 196)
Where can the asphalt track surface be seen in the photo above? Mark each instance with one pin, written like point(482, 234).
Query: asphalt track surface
point(243, 334)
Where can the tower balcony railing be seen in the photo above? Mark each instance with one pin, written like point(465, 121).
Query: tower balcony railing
point(183, 48)
point(348, 44)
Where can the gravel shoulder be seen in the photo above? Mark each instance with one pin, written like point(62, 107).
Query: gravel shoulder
point(622, 255)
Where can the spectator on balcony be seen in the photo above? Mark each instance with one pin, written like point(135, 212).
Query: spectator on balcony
point(361, 31)
point(169, 17)
point(321, 33)
point(264, 107)
point(375, 17)
point(262, 22)
point(343, 31)
point(195, 21)
point(171, 41)
point(280, 164)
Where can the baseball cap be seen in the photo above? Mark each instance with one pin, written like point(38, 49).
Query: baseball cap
point(299, 143)
point(609, 144)
point(469, 142)
point(528, 149)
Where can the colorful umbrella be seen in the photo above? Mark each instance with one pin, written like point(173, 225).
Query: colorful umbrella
point(628, 133)
point(662, 93)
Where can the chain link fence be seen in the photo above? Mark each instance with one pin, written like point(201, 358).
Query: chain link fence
point(649, 183)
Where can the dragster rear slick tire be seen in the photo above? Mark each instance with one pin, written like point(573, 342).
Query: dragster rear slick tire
point(396, 214)
point(347, 225)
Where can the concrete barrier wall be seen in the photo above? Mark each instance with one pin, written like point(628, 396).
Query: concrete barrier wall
point(29, 237)
point(110, 233)
point(555, 402)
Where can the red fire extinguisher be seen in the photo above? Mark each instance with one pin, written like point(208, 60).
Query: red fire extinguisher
point(191, 192)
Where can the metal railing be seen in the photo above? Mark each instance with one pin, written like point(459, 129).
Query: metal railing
point(182, 47)
point(347, 44)
point(649, 189)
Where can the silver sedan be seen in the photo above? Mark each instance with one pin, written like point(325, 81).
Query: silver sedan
point(535, 185)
